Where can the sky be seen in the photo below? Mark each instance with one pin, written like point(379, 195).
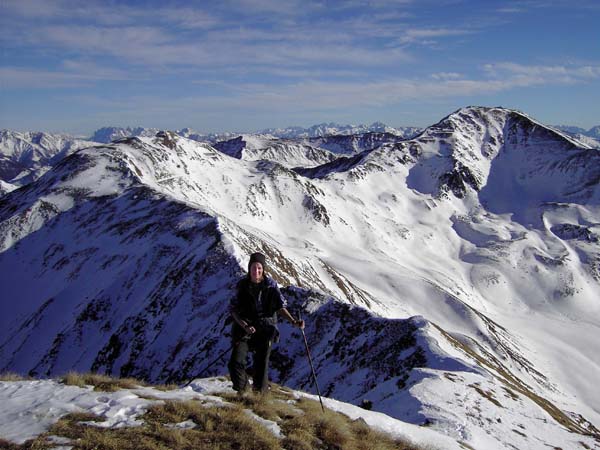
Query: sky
point(246, 65)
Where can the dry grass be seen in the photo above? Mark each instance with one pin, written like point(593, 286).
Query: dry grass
point(166, 387)
point(11, 376)
point(6, 445)
point(303, 424)
point(103, 383)
point(217, 428)
point(332, 430)
point(271, 407)
point(306, 427)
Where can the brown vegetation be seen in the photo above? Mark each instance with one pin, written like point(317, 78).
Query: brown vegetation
point(214, 427)
point(103, 383)
point(11, 376)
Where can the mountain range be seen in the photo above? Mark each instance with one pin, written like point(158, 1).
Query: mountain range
point(451, 277)
point(109, 134)
point(593, 132)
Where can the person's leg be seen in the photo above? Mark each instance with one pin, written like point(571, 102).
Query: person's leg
point(262, 353)
point(237, 366)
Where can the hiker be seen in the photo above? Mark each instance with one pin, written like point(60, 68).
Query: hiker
point(254, 311)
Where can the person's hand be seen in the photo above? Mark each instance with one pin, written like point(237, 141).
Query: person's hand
point(249, 329)
point(299, 323)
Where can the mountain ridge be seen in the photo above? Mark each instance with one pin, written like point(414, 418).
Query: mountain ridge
point(155, 232)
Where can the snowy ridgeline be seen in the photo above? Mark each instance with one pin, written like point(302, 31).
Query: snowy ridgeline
point(451, 279)
point(24, 157)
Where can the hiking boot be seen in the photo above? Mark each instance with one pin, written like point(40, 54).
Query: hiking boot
point(262, 391)
point(242, 391)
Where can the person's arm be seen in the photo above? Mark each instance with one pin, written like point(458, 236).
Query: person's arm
point(234, 305)
point(249, 329)
point(297, 323)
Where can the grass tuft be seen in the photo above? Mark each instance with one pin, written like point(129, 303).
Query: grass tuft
point(11, 376)
point(333, 430)
point(100, 382)
point(7, 445)
point(306, 427)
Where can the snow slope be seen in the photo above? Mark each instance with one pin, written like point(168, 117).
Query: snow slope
point(452, 279)
point(289, 153)
point(6, 187)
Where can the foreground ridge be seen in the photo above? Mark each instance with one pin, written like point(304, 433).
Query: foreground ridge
point(90, 410)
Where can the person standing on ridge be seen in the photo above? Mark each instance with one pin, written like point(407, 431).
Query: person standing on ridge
point(254, 311)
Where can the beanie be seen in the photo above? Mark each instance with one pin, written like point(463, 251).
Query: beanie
point(258, 257)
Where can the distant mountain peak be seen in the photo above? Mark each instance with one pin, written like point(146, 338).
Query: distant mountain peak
point(111, 133)
point(332, 129)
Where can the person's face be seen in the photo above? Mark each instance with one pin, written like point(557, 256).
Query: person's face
point(256, 272)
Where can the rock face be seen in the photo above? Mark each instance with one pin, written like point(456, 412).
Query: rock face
point(443, 278)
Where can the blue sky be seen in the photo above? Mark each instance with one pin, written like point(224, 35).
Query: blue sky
point(245, 65)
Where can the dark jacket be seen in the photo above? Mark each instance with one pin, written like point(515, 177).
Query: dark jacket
point(257, 305)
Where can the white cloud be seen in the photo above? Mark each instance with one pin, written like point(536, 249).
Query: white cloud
point(189, 18)
point(32, 8)
point(75, 74)
point(155, 46)
point(91, 70)
point(428, 35)
point(288, 7)
point(535, 74)
point(104, 39)
point(335, 95)
point(510, 10)
point(15, 77)
point(193, 36)
point(446, 76)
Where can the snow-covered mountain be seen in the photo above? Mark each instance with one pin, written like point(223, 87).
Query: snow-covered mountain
point(589, 137)
point(24, 157)
point(205, 137)
point(302, 152)
point(287, 152)
point(333, 129)
point(353, 143)
point(593, 132)
point(109, 134)
point(106, 135)
point(452, 279)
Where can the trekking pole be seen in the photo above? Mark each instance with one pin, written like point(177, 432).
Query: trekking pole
point(215, 360)
point(312, 368)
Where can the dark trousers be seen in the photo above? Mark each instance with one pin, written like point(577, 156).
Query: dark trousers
point(261, 347)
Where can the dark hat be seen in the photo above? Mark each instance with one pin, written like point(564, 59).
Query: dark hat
point(258, 257)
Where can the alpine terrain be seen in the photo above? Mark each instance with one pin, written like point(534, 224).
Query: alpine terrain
point(24, 157)
point(452, 278)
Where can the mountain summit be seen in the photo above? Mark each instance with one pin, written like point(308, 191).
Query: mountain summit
point(451, 279)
